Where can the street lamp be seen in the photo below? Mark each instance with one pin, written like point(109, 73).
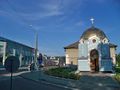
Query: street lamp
point(36, 48)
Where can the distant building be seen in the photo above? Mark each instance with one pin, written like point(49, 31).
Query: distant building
point(93, 52)
point(53, 60)
point(23, 52)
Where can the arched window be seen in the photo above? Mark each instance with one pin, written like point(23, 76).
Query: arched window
point(94, 41)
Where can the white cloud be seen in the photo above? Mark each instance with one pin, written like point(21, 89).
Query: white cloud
point(33, 12)
point(43, 10)
point(46, 8)
point(40, 10)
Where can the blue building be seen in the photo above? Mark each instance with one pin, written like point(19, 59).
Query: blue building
point(23, 52)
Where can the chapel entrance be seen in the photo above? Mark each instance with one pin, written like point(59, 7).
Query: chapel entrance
point(94, 60)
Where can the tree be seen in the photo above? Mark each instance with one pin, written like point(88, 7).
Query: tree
point(118, 60)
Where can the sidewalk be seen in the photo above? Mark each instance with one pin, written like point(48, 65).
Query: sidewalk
point(86, 82)
point(4, 75)
point(4, 72)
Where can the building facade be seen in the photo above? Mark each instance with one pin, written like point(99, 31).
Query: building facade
point(93, 52)
point(71, 53)
point(23, 52)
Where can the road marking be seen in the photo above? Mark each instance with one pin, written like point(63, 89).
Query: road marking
point(14, 74)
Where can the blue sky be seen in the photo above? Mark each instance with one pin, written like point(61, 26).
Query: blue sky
point(58, 22)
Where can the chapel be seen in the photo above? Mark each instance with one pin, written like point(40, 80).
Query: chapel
point(92, 52)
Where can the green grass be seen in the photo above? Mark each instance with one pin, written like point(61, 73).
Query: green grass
point(63, 73)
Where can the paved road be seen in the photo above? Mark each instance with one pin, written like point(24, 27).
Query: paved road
point(24, 84)
point(30, 82)
point(88, 82)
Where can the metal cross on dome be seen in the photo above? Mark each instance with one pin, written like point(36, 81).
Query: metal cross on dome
point(92, 20)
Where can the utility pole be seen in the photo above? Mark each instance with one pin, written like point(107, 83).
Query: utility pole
point(36, 48)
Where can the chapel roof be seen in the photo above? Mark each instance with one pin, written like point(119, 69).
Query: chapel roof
point(112, 45)
point(93, 31)
point(75, 45)
point(72, 46)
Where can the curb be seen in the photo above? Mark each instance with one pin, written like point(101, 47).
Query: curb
point(58, 80)
point(50, 83)
point(40, 76)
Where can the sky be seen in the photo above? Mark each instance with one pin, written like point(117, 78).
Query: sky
point(58, 22)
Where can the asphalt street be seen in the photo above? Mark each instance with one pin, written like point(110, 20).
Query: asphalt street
point(20, 83)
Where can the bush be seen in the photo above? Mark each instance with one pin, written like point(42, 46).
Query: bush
point(117, 69)
point(63, 72)
point(117, 77)
point(74, 76)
